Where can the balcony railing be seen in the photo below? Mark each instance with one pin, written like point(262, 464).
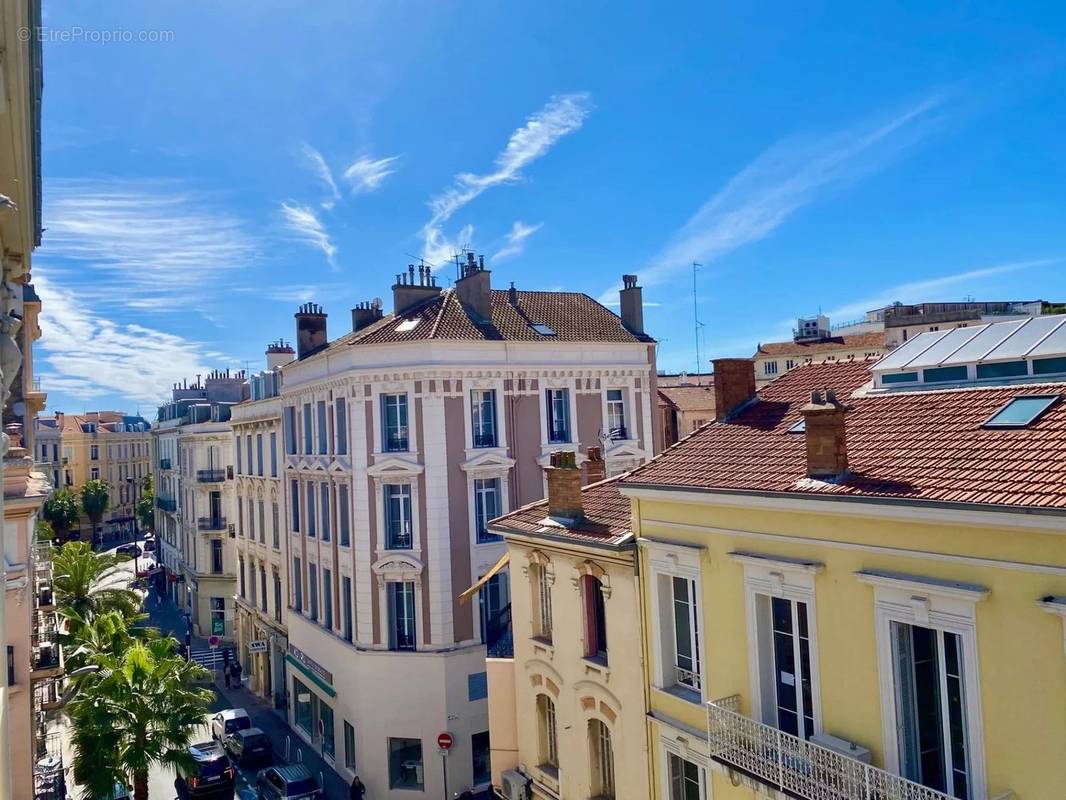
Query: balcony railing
point(398, 536)
point(210, 475)
point(559, 434)
point(211, 523)
point(798, 767)
point(164, 463)
point(484, 439)
point(166, 503)
point(618, 433)
point(396, 441)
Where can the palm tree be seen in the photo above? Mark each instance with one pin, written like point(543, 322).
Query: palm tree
point(137, 711)
point(89, 584)
point(61, 511)
point(95, 500)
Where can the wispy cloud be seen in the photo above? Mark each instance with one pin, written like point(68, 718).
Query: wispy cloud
point(322, 172)
point(562, 115)
point(368, 174)
point(147, 244)
point(305, 223)
point(790, 175)
point(86, 354)
point(515, 241)
point(439, 249)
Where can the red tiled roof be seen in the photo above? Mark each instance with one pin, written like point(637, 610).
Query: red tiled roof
point(689, 398)
point(874, 341)
point(925, 445)
point(606, 522)
point(575, 317)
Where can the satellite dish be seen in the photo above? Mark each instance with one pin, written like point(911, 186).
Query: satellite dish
point(376, 302)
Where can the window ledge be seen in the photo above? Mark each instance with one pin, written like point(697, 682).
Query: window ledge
point(682, 693)
point(541, 645)
point(597, 665)
point(549, 771)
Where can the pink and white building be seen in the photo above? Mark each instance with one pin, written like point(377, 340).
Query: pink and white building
point(402, 438)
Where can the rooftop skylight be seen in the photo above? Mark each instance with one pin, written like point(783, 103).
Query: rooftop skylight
point(798, 427)
point(1021, 412)
point(407, 325)
point(543, 329)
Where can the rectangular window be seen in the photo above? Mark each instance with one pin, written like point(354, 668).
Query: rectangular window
point(558, 405)
point(295, 498)
point(346, 607)
point(770, 368)
point(495, 611)
point(343, 518)
point(486, 507)
point(785, 664)
point(686, 634)
point(477, 686)
point(263, 587)
point(595, 618)
point(327, 598)
point(251, 519)
point(616, 415)
point(259, 454)
point(248, 449)
point(602, 760)
point(340, 425)
point(394, 423)
point(325, 512)
point(273, 455)
point(685, 779)
point(312, 589)
point(483, 417)
point(252, 593)
point(323, 431)
point(401, 599)
point(309, 445)
point(349, 746)
point(309, 510)
point(289, 425)
point(297, 585)
point(262, 523)
point(542, 602)
point(549, 748)
point(930, 708)
point(398, 528)
point(216, 556)
point(480, 755)
point(277, 597)
point(10, 665)
point(405, 764)
point(276, 518)
point(240, 567)
point(240, 462)
point(304, 715)
point(218, 615)
point(94, 452)
point(325, 718)
point(94, 474)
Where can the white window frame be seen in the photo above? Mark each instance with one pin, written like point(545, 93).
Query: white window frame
point(383, 539)
point(769, 368)
point(789, 579)
point(670, 560)
point(939, 605)
point(627, 404)
point(571, 389)
point(668, 749)
point(684, 742)
point(500, 506)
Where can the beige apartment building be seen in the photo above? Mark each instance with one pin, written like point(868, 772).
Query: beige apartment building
point(98, 445)
point(566, 702)
point(686, 403)
point(262, 538)
point(27, 622)
point(195, 525)
point(815, 342)
point(402, 438)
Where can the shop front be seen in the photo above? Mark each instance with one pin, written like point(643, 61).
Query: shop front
point(312, 700)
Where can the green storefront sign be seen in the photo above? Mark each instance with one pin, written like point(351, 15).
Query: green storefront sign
point(218, 627)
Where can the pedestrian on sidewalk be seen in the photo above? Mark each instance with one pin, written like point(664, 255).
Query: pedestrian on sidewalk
point(226, 671)
point(358, 790)
point(237, 669)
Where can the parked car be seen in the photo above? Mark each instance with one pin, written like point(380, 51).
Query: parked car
point(131, 550)
point(249, 746)
point(149, 544)
point(213, 775)
point(290, 782)
point(229, 721)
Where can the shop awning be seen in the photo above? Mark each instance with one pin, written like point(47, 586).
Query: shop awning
point(504, 559)
point(317, 681)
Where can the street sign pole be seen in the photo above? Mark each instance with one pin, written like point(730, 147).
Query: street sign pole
point(444, 743)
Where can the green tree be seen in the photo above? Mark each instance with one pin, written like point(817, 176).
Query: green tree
point(144, 508)
point(148, 484)
point(89, 584)
point(136, 711)
point(45, 532)
point(61, 511)
point(95, 500)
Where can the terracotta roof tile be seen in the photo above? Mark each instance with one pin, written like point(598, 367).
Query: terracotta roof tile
point(606, 522)
point(874, 341)
point(689, 398)
point(926, 446)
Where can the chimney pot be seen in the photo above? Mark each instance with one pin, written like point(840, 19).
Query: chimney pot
point(564, 487)
point(474, 290)
point(512, 295)
point(631, 305)
point(595, 467)
point(364, 315)
point(310, 329)
point(734, 385)
point(825, 436)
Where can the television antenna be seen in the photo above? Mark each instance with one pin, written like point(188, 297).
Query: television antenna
point(696, 319)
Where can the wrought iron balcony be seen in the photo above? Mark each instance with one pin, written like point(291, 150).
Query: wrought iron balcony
point(166, 503)
point(398, 536)
point(211, 523)
point(797, 767)
point(396, 441)
point(210, 475)
point(559, 434)
point(484, 439)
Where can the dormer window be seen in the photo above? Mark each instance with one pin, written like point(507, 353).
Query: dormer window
point(543, 329)
point(1021, 412)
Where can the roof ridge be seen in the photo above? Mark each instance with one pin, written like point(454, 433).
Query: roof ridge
point(440, 312)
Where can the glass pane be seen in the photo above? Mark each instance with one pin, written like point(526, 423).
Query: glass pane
point(956, 714)
point(1022, 411)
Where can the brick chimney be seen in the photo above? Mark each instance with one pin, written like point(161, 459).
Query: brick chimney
point(310, 329)
point(734, 385)
point(631, 305)
point(595, 467)
point(366, 314)
point(473, 288)
point(279, 354)
point(825, 435)
point(564, 487)
point(408, 292)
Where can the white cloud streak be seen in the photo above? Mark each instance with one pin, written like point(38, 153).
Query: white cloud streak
point(515, 241)
point(439, 250)
point(322, 171)
point(88, 355)
point(368, 174)
point(790, 175)
point(562, 115)
point(303, 222)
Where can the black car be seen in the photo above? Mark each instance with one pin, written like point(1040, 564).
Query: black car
point(131, 550)
point(290, 782)
point(249, 746)
point(213, 776)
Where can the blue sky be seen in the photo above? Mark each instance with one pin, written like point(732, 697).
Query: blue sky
point(256, 155)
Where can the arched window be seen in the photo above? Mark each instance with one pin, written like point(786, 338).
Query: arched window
point(595, 618)
point(549, 751)
point(601, 760)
